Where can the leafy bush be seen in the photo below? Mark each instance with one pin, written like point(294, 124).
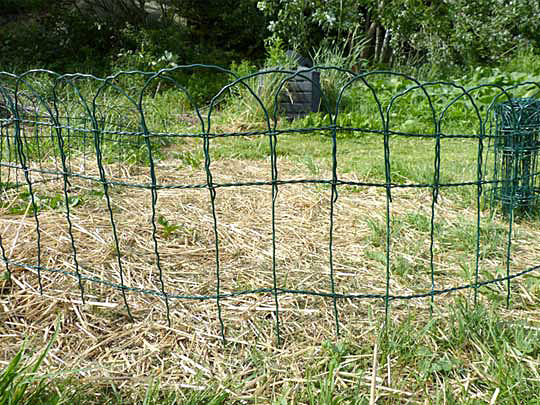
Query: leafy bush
point(462, 32)
point(303, 25)
point(54, 36)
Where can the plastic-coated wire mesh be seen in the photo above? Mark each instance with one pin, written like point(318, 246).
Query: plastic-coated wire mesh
point(516, 148)
point(65, 129)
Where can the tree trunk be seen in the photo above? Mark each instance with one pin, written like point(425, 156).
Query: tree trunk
point(385, 48)
point(378, 43)
point(367, 52)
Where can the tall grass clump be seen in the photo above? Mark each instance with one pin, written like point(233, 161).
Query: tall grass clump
point(344, 58)
point(264, 84)
point(20, 383)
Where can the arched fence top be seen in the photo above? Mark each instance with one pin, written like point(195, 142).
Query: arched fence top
point(334, 100)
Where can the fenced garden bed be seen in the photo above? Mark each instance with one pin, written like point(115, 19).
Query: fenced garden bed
point(159, 229)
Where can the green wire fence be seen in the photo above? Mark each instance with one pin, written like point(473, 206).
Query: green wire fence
point(61, 129)
point(516, 146)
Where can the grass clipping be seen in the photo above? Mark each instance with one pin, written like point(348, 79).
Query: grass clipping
point(98, 337)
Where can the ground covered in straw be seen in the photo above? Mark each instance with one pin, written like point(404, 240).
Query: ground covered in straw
point(98, 338)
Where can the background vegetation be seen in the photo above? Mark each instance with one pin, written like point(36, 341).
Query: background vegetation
point(103, 35)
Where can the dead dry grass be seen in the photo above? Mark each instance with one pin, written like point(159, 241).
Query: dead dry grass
point(97, 337)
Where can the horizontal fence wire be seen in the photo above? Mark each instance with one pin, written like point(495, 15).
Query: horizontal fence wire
point(60, 131)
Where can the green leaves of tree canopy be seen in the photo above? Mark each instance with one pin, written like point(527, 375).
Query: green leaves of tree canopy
point(460, 32)
point(86, 35)
point(440, 32)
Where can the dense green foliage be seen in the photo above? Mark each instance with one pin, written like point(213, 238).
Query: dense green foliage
point(462, 32)
point(457, 32)
point(100, 35)
point(103, 35)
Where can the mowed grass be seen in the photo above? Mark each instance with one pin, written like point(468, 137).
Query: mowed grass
point(451, 351)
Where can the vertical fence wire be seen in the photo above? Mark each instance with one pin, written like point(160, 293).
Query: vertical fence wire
point(388, 190)
point(212, 193)
point(98, 139)
point(479, 191)
point(65, 187)
point(274, 175)
point(434, 198)
point(154, 194)
point(333, 200)
point(153, 219)
point(18, 134)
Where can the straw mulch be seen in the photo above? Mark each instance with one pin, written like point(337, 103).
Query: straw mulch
point(98, 338)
